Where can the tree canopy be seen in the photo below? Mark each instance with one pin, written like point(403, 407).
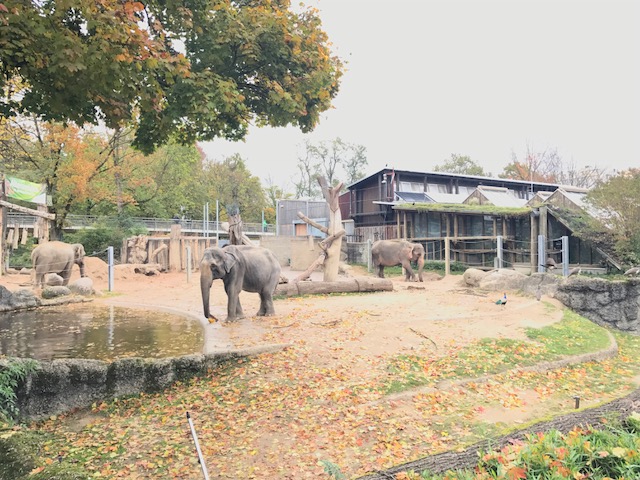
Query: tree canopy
point(461, 164)
point(189, 70)
point(335, 161)
point(618, 204)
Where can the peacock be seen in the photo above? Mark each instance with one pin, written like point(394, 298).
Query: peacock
point(503, 300)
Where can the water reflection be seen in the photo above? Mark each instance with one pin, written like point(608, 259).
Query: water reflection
point(98, 332)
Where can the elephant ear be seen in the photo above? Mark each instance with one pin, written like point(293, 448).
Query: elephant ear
point(78, 251)
point(230, 259)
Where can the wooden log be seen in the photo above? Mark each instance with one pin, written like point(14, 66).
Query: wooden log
point(350, 285)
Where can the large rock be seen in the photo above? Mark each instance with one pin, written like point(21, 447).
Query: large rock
point(20, 299)
point(82, 286)
point(473, 276)
point(53, 279)
point(53, 292)
point(502, 279)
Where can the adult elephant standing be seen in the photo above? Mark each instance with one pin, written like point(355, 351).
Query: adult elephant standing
point(241, 267)
point(57, 257)
point(387, 253)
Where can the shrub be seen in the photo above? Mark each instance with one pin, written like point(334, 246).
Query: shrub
point(12, 371)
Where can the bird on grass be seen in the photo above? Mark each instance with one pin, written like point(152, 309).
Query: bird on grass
point(574, 271)
point(503, 300)
point(633, 271)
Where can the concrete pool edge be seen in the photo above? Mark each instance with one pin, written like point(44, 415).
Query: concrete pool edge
point(59, 386)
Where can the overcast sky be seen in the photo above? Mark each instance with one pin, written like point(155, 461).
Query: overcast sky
point(428, 79)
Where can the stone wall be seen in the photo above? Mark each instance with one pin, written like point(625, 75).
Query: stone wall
point(58, 386)
point(608, 303)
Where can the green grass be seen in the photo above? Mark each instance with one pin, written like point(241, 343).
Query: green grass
point(571, 336)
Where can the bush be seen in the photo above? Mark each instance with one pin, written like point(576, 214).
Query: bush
point(19, 452)
point(106, 233)
point(12, 372)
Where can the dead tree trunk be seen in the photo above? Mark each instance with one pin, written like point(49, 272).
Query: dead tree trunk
point(236, 236)
point(332, 245)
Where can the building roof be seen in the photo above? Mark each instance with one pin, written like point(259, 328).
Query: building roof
point(500, 197)
point(445, 175)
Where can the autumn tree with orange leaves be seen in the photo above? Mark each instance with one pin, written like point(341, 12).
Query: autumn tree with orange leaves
point(181, 70)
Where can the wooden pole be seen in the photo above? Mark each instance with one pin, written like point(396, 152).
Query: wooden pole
point(447, 256)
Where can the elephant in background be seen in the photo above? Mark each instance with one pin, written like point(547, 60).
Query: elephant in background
point(387, 253)
point(241, 267)
point(57, 257)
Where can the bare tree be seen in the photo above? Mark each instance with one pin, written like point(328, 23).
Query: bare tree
point(331, 246)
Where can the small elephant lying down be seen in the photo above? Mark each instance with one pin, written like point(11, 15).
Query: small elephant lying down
point(241, 267)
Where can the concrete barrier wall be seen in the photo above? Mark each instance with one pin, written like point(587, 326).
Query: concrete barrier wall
point(58, 386)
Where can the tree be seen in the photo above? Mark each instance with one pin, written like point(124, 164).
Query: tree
point(537, 166)
point(235, 188)
point(616, 202)
point(66, 159)
point(117, 62)
point(461, 164)
point(328, 160)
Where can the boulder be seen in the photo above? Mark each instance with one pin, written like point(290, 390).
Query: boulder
point(502, 279)
point(53, 279)
point(473, 276)
point(82, 286)
point(55, 291)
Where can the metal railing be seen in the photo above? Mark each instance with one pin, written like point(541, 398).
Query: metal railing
point(76, 222)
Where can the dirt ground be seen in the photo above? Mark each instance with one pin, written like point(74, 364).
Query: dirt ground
point(352, 331)
point(413, 316)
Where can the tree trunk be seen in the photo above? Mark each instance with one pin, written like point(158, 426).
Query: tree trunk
point(360, 284)
point(334, 248)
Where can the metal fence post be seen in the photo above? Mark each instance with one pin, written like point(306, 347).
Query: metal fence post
point(500, 251)
point(369, 255)
point(188, 264)
point(542, 256)
point(110, 267)
point(565, 256)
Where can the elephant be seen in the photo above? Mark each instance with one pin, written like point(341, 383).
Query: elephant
point(387, 253)
point(57, 257)
point(241, 267)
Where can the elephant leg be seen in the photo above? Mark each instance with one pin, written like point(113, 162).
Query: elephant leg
point(266, 305)
point(234, 309)
point(66, 276)
point(409, 275)
point(381, 271)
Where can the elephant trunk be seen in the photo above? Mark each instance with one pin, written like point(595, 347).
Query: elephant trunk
point(82, 272)
point(206, 279)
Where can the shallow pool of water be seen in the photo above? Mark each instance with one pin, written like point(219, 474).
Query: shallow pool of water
point(98, 332)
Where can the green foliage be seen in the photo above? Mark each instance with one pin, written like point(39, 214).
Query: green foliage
point(616, 201)
point(461, 164)
point(19, 453)
point(61, 471)
point(12, 372)
point(106, 232)
point(337, 162)
point(21, 256)
point(115, 62)
point(231, 183)
point(610, 452)
point(332, 470)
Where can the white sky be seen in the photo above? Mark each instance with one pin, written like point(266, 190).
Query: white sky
point(428, 79)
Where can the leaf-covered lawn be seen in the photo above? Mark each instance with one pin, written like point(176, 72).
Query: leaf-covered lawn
point(283, 415)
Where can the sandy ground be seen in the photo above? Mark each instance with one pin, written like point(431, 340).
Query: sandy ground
point(412, 317)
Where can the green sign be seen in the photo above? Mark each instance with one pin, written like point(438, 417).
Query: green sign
point(27, 191)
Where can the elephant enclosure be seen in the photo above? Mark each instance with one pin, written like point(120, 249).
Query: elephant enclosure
point(336, 342)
